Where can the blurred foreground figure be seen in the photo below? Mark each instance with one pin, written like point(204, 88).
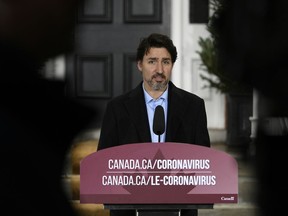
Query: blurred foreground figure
point(253, 49)
point(37, 122)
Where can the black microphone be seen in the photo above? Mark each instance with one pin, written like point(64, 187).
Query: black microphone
point(159, 121)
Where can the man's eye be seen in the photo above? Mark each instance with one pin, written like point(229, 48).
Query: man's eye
point(151, 62)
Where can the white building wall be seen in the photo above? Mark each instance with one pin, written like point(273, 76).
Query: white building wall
point(186, 72)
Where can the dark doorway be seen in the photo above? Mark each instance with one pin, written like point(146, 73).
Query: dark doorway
point(107, 35)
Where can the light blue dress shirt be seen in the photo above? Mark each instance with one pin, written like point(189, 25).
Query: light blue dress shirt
point(150, 105)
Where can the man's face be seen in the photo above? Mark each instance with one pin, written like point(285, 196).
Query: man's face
point(156, 67)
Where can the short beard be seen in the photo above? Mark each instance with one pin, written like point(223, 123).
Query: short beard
point(158, 86)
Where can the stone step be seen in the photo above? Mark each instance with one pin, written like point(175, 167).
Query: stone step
point(77, 152)
point(89, 209)
point(239, 209)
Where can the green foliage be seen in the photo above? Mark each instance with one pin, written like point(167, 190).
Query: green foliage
point(216, 76)
point(209, 64)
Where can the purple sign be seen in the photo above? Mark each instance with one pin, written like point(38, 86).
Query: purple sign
point(159, 173)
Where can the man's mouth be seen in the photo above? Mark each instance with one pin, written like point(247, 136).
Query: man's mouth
point(159, 78)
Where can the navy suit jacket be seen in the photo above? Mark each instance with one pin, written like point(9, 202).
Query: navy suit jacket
point(126, 120)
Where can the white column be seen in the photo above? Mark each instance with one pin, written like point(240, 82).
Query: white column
point(176, 36)
point(254, 117)
point(254, 122)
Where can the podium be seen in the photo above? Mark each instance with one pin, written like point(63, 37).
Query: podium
point(158, 178)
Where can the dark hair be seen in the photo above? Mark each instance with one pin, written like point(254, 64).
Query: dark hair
point(156, 40)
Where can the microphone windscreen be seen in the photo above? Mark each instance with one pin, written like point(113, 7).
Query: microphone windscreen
point(159, 120)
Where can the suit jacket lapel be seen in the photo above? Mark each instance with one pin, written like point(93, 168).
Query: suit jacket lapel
point(176, 109)
point(136, 107)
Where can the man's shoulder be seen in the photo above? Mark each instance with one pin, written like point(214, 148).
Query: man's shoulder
point(185, 94)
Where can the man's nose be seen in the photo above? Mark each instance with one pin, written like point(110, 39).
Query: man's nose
point(159, 68)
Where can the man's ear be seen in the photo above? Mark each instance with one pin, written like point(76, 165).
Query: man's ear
point(139, 65)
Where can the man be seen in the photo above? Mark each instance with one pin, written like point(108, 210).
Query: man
point(129, 117)
point(37, 122)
